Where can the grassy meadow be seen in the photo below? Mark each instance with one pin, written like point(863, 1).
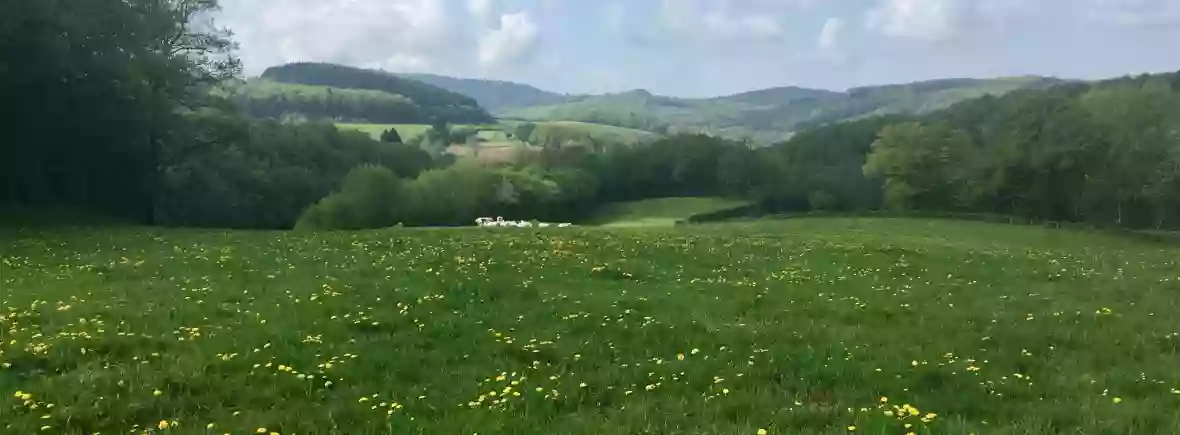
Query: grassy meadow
point(660, 212)
point(807, 326)
point(406, 131)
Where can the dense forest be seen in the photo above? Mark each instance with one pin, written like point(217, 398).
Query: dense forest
point(272, 100)
point(492, 94)
point(124, 114)
point(108, 111)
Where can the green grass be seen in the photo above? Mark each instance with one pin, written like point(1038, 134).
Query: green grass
point(406, 131)
point(796, 327)
point(409, 131)
point(659, 212)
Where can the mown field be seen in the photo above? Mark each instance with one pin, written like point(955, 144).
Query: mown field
point(660, 212)
point(808, 326)
point(406, 131)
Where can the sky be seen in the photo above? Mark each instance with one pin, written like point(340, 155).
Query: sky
point(698, 48)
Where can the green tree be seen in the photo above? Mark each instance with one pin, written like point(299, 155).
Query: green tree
point(391, 136)
point(369, 197)
point(921, 165)
point(101, 87)
point(524, 132)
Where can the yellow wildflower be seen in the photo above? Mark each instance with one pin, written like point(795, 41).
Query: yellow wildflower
point(761, 431)
point(163, 424)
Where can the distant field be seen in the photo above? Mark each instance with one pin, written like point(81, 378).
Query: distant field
point(491, 152)
point(406, 131)
point(659, 212)
point(805, 326)
point(608, 133)
point(496, 133)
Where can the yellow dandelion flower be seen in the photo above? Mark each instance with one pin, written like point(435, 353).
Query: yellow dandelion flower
point(163, 424)
point(680, 357)
point(884, 399)
point(852, 428)
point(260, 430)
point(762, 432)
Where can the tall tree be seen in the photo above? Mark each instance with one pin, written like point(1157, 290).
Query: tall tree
point(921, 164)
point(391, 136)
point(93, 93)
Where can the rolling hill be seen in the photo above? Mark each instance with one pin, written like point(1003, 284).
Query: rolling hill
point(764, 116)
point(342, 93)
point(491, 94)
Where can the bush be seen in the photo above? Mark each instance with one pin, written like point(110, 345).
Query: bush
point(368, 198)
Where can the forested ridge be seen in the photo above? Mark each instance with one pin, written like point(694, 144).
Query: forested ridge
point(273, 100)
point(124, 114)
point(432, 102)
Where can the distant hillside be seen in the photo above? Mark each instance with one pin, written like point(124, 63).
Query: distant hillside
point(762, 116)
point(770, 115)
point(267, 99)
point(431, 101)
point(561, 133)
point(491, 94)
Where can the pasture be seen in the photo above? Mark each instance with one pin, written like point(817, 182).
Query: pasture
point(808, 326)
point(660, 212)
point(406, 131)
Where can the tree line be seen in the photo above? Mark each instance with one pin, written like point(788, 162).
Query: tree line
point(1106, 153)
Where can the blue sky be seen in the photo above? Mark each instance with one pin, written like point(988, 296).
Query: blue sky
point(713, 47)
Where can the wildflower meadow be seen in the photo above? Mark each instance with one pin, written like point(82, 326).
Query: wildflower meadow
point(807, 326)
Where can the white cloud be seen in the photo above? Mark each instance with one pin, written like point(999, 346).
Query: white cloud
point(483, 10)
point(514, 41)
point(925, 20)
point(392, 33)
point(1134, 13)
point(613, 16)
point(829, 36)
point(726, 20)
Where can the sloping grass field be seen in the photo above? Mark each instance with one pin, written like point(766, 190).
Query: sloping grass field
point(659, 212)
point(808, 326)
point(406, 131)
